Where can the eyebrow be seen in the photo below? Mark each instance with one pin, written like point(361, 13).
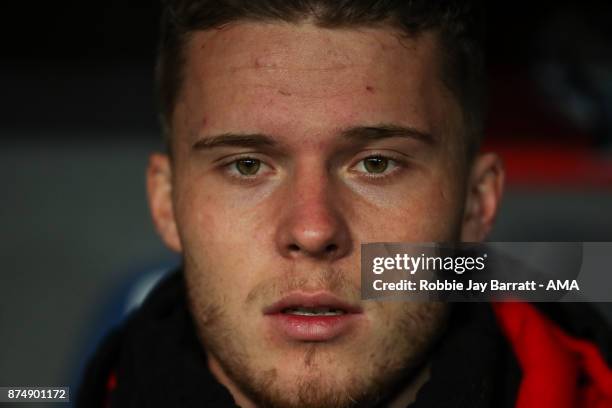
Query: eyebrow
point(361, 134)
point(385, 131)
point(254, 140)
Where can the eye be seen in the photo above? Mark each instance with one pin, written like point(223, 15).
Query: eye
point(247, 166)
point(376, 165)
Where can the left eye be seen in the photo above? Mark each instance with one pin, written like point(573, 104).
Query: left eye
point(247, 166)
point(376, 165)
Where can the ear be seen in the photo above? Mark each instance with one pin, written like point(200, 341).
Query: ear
point(159, 191)
point(485, 187)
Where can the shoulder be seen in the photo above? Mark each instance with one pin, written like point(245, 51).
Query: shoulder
point(116, 351)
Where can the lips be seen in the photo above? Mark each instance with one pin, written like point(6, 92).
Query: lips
point(317, 316)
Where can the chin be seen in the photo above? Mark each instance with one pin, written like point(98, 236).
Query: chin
point(311, 375)
point(313, 387)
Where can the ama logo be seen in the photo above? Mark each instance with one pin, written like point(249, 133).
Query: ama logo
point(562, 285)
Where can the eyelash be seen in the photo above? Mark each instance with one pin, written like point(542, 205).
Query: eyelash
point(393, 162)
point(230, 168)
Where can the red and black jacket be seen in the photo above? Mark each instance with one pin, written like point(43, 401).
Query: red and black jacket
point(492, 355)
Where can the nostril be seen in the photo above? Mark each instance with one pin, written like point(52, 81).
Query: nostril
point(294, 248)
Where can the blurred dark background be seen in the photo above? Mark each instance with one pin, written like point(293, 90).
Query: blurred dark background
point(78, 119)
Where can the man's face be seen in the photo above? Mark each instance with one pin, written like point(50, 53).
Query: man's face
point(292, 145)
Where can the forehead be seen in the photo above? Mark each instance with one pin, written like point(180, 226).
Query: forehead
point(278, 78)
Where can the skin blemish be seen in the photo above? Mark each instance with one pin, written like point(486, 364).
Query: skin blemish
point(370, 89)
point(265, 62)
point(283, 92)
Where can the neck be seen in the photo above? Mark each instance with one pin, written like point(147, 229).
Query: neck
point(239, 398)
point(407, 395)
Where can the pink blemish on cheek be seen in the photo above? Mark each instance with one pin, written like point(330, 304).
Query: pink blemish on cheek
point(370, 89)
point(264, 62)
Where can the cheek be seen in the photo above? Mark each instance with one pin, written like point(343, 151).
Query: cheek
point(207, 218)
point(430, 212)
point(222, 241)
point(401, 331)
point(438, 215)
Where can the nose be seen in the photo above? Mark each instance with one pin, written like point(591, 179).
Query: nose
point(311, 225)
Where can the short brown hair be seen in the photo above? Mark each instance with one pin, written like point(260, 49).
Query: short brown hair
point(460, 23)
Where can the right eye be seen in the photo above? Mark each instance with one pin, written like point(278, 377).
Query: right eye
point(375, 164)
point(247, 166)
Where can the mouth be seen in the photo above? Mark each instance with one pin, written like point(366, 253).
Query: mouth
point(319, 316)
point(313, 311)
